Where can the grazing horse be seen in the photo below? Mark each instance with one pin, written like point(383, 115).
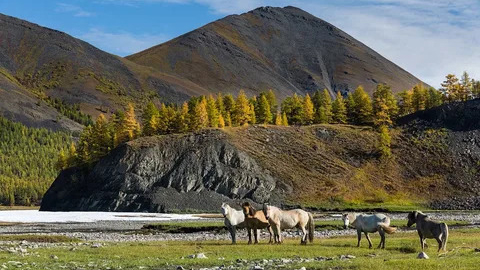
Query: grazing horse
point(296, 218)
point(233, 219)
point(255, 220)
point(427, 228)
point(369, 224)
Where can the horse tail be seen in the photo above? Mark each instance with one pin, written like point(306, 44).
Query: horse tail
point(444, 238)
point(311, 227)
point(387, 228)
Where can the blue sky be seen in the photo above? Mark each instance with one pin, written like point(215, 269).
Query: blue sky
point(428, 38)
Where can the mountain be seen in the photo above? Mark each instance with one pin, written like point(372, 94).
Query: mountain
point(38, 64)
point(285, 49)
point(324, 166)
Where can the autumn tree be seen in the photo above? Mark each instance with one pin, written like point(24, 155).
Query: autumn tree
point(220, 105)
point(278, 119)
point(263, 112)
point(307, 110)
point(405, 102)
point(466, 87)
point(242, 112)
point(199, 114)
point(451, 87)
point(212, 112)
point(323, 113)
point(150, 117)
point(229, 104)
point(339, 109)
point(362, 110)
point(384, 105)
point(385, 142)
point(419, 97)
point(284, 119)
point(128, 127)
point(182, 120)
point(221, 121)
point(166, 119)
point(272, 102)
point(434, 98)
point(292, 107)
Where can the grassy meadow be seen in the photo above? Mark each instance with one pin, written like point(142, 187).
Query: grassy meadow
point(400, 253)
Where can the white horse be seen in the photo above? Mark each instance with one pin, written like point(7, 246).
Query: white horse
point(233, 219)
point(296, 218)
point(369, 224)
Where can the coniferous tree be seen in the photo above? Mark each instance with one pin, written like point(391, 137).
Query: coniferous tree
point(220, 105)
point(476, 88)
point(72, 154)
point(221, 121)
point(242, 113)
point(253, 118)
point(150, 117)
point(385, 142)
point(229, 104)
point(284, 119)
point(182, 119)
point(272, 102)
point(100, 140)
point(307, 110)
point(339, 110)
point(62, 162)
point(128, 128)
point(419, 97)
point(384, 105)
point(451, 87)
point(466, 91)
point(323, 114)
point(263, 112)
point(363, 106)
point(201, 114)
point(434, 98)
point(351, 107)
point(212, 112)
point(166, 119)
point(292, 107)
point(228, 120)
point(405, 102)
point(278, 119)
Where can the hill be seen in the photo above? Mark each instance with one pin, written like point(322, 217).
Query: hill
point(38, 65)
point(325, 166)
point(285, 49)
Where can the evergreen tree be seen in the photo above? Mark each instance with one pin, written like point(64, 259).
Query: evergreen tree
point(212, 112)
point(384, 105)
point(292, 107)
point(242, 112)
point(100, 138)
point(72, 155)
point(228, 120)
point(284, 119)
point(323, 114)
point(62, 161)
point(166, 119)
point(220, 105)
point(201, 114)
point(128, 128)
point(385, 142)
point(363, 107)
point(307, 111)
point(278, 119)
point(272, 102)
point(476, 88)
point(150, 117)
point(466, 89)
point(339, 110)
point(419, 97)
point(221, 122)
point(263, 112)
point(229, 104)
point(434, 98)
point(405, 102)
point(253, 118)
point(182, 119)
point(351, 107)
point(451, 87)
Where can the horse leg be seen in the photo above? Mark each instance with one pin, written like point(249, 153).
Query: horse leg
point(304, 236)
point(279, 233)
point(270, 231)
point(382, 239)
point(439, 241)
point(359, 236)
point(368, 239)
point(255, 233)
point(233, 233)
point(249, 235)
point(422, 241)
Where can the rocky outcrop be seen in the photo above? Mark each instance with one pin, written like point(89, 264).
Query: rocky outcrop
point(162, 174)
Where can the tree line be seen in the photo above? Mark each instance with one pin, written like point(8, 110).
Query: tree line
point(356, 108)
point(27, 161)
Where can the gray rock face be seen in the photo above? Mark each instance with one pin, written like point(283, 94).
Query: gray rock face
point(177, 172)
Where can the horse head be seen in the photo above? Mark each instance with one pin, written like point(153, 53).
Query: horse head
point(346, 220)
point(225, 208)
point(412, 218)
point(248, 210)
point(266, 210)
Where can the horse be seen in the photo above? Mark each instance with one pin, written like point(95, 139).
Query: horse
point(296, 218)
point(233, 219)
point(369, 224)
point(255, 220)
point(428, 228)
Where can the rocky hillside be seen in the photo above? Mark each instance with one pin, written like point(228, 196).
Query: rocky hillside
point(324, 166)
point(38, 63)
point(285, 49)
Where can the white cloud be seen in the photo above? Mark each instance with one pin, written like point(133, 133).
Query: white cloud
point(75, 10)
point(121, 43)
point(427, 38)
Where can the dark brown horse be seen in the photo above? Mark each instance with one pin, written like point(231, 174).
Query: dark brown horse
point(255, 220)
point(428, 228)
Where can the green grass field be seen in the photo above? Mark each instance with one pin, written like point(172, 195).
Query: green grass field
point(401, 252)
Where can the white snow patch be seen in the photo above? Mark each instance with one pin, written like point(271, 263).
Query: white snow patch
point(35, 216)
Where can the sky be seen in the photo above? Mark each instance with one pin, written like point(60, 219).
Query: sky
point(428, 38)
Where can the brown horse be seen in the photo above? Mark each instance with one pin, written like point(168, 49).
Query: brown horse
point(428, 228)
point(255, 220)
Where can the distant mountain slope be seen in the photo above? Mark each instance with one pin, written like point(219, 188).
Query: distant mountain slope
point(49, 63)
point(286, 49)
